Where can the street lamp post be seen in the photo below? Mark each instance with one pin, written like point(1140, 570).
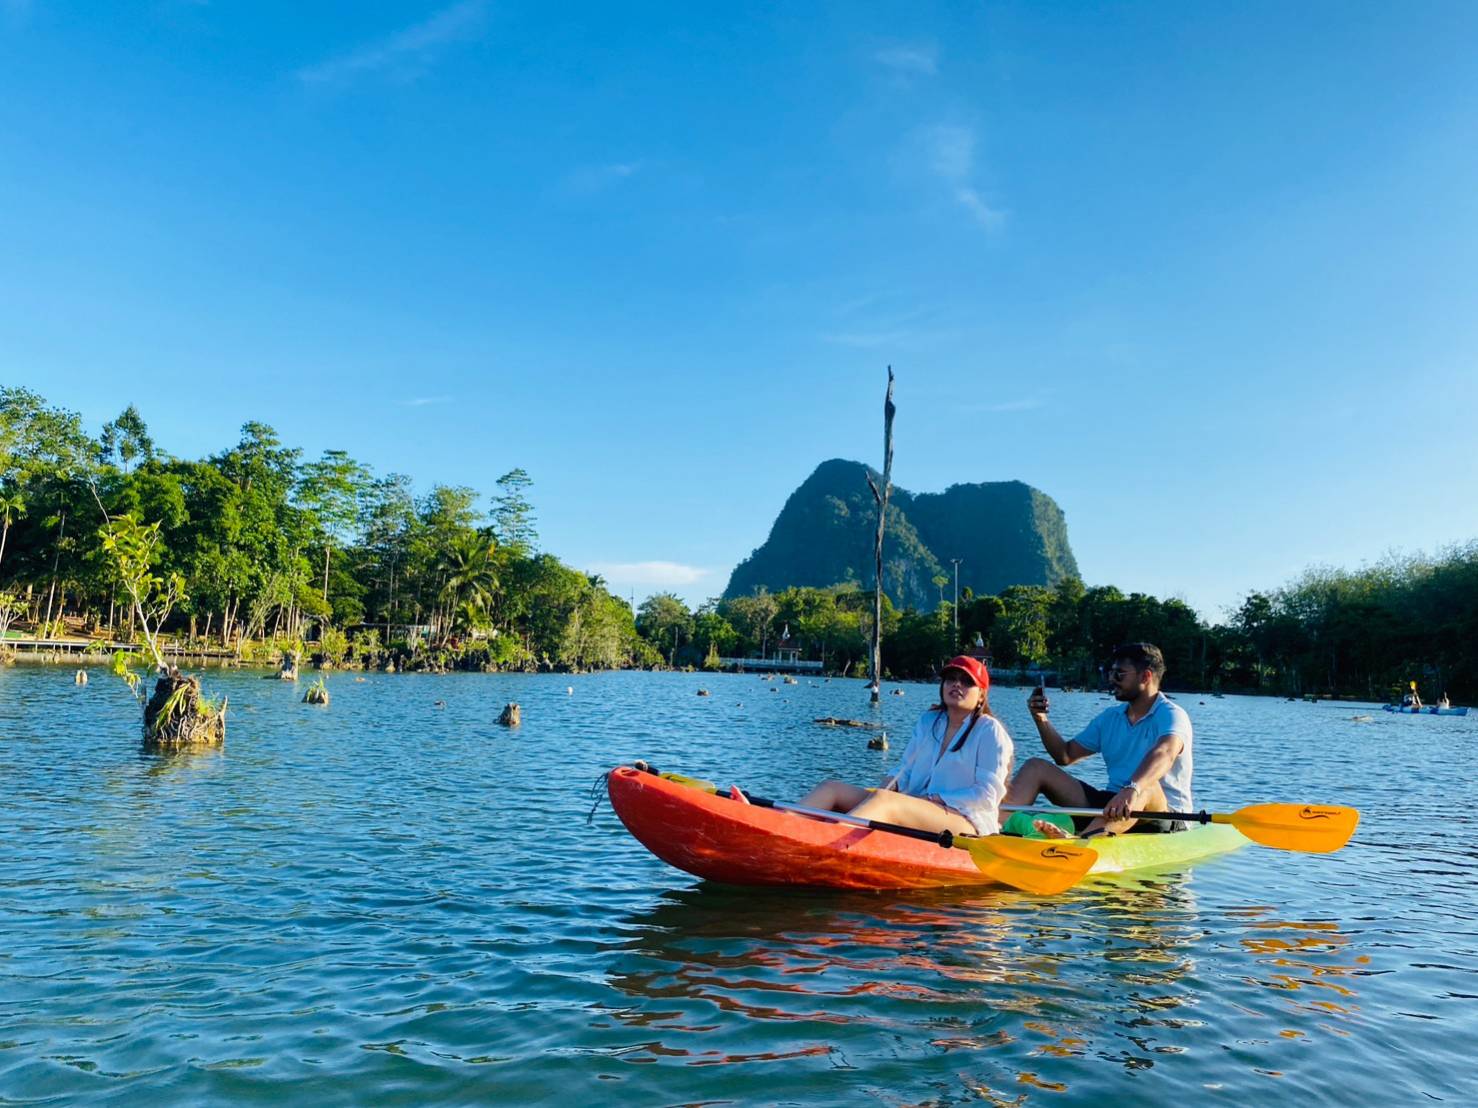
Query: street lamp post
point(956, 562)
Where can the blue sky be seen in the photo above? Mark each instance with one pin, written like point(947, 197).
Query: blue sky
point(1205, 273)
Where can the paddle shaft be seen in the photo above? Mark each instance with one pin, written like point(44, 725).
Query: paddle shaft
point(1188, 817)
point(939, 838)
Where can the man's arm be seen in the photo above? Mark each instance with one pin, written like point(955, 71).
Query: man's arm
point(1153, 766)
point(1064, 751)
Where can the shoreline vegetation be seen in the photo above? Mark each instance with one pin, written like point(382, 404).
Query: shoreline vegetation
point(323, 561)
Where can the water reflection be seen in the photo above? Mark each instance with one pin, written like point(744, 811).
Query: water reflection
point(1113, 973)
point(969, 970)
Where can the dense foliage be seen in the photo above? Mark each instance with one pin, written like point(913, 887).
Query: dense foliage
point(1366, 633)
point(269, 546)
point(266, 546)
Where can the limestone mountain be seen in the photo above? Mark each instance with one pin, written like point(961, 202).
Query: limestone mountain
point(1005, 532)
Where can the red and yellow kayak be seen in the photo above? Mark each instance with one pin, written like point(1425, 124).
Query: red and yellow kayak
point(727, 840)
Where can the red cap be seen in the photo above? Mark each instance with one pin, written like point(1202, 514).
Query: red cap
point(974, 668)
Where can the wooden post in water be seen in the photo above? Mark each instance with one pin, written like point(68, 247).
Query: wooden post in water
point(881, 496)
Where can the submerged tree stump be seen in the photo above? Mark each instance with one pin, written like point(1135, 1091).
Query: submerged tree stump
point(317, 694)
point(289, 670)
point(512, 716)
point(177, 719)
point(81, 678)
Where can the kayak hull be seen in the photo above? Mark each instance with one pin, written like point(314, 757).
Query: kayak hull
point(1425, 711)
point(726, 840)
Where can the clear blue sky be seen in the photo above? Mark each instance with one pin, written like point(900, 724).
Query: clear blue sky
point(1206, 273)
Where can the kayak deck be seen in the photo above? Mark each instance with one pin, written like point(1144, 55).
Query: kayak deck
point(727, 840)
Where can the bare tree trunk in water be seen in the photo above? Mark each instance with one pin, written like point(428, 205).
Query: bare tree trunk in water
point(881, 496)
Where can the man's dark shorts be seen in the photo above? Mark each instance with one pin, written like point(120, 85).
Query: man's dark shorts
point(1095, 797)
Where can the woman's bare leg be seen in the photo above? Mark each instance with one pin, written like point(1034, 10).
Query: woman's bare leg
point(912, 811)
point(835, 796)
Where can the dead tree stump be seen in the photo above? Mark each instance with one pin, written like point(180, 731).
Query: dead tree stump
point(512, 716)
point(177, 719)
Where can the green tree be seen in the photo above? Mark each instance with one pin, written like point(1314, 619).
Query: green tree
point(469, 572)
point(513, 514)
point(126, 439)
point(665, 622)
point(12, 505)
point(333, 490)
point(1024, 623)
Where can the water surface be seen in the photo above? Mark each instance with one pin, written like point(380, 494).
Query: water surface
point(387, 901)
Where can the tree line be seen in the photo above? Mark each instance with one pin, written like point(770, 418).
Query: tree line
point(1365, 633)
point(269, 547)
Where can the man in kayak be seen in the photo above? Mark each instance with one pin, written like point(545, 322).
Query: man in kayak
point(952, 776)
point(1145, 741)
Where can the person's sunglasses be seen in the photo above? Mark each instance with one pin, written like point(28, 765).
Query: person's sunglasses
point(1118, 673)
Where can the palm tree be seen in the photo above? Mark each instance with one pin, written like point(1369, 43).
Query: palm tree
point(10, 506)
point(469, 569)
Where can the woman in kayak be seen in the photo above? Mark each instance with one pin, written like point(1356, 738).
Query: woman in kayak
point(954, 769)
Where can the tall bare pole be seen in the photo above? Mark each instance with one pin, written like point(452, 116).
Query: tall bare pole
point(956, 644)
point(881, 496)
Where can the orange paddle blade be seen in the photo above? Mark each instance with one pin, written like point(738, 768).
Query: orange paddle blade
point(1041, 866)
point(1316, 828)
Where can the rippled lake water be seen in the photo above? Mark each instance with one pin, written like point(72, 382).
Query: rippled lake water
point(390, 902)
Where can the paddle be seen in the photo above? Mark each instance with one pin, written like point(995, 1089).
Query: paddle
point(1040, 866)
point(1315, 828)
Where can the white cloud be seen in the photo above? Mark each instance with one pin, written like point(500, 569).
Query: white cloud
point(1023, 405)
point(407, 52)
point(949, 152)
point(649, 573)
point(911, 61)
point(595, 178)
point(988, 217)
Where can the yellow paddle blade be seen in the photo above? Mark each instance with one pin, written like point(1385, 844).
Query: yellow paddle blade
point(1041, 866)
point(1315, 828)
point(691, 782)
